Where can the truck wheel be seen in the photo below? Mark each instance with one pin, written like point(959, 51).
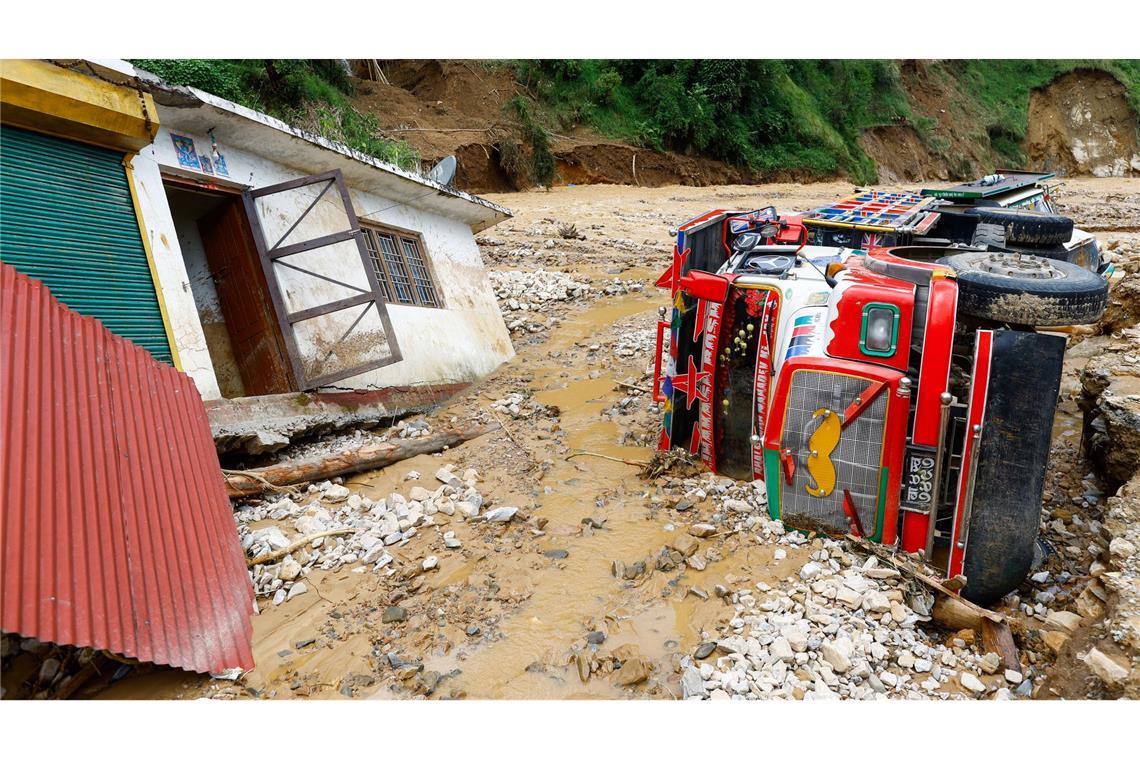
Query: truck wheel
point(1013, 452)
point(1025, 226)
point(1020, 289)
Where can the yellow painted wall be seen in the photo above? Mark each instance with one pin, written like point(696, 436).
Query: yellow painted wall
point(43, 97)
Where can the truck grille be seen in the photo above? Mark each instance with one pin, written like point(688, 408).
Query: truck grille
point(856, 458)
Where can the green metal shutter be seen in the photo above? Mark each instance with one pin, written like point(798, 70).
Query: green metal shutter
point(67, 219)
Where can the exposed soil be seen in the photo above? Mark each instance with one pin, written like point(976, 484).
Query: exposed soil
point(454, 107)
point(899, 153)
point(451, 107)
point(1081, 124)
point(520, 608)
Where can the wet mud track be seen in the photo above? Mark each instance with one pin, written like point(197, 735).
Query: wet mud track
point(518, 609)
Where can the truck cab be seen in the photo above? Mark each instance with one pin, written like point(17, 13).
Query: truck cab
point(897, 393)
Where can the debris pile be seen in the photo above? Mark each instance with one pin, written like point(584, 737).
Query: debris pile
point(337, 528)
point(1121, 574)
point(635, 343)
point(519, 405)
point(843, 627)
point(525, 296)
point(519, 290)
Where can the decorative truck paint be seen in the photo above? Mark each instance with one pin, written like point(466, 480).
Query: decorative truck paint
point(826, 371)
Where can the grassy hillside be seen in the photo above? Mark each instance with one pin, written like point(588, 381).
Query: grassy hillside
point(803, 117)
point(797, 115)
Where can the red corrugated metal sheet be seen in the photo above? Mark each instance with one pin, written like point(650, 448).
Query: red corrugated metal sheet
point(117, 530)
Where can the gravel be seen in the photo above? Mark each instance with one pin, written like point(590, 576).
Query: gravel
point(371, 526)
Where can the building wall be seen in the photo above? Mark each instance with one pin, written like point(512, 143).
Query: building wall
point(173, 280)
point(463, 341)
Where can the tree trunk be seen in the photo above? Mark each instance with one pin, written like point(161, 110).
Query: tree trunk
point(372, 457)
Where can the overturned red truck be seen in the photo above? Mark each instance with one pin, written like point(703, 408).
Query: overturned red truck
point(884, 364)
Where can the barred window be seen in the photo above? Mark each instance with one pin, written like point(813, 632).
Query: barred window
point(400, 266)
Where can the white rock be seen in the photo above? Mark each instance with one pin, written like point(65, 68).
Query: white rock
point(692, 685)
point(336, 493)
point(1121, 547)
point(781, 649)
point(810, 571)
point(447, 477)
point(373, 553)
point(833, 655)
point(272, 536)
point(1105, 668)
point(970, 682)
point(796, 638)
point(290, 569)
point(500, 514)
point(298, 589)
point(430, 563)
point(1013, 676)
point(876, 601)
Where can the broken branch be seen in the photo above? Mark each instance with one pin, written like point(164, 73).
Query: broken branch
point(954, 612)
point(605, 456)
point(507, 430)
point(304, 541)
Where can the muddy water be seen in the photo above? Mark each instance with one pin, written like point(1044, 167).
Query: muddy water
point(578, 593)
point(569, 593)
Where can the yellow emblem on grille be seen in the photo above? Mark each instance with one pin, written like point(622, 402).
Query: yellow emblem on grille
point(822, 442)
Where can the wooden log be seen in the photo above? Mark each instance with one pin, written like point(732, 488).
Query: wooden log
point(997, 637)
point(371, 457)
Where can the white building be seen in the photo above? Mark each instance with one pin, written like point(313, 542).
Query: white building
point(288, 262)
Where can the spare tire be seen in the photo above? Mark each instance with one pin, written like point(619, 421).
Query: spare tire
point(1026, 226)
point(1019, 289)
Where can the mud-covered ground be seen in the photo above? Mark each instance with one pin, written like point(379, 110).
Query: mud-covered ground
point(604, 584)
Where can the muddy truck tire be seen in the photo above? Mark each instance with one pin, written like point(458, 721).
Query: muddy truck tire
point(1026, 290)
point(1001, 543)
point(1026, 227)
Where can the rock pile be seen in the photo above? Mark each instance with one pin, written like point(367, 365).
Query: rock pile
point(1122, 578)
point(530, 291)
point(841, 626)
point(525, 297)
point(519, 405)
point(350, 529)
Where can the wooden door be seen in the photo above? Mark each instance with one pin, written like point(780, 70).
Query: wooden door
point(232, 255)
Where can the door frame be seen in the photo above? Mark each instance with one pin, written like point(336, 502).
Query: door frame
point(286, 319)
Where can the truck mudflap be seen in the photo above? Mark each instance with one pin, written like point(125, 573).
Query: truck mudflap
point(1013, 398)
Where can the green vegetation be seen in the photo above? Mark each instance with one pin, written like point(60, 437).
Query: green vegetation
point(310, 94)
point(540, 166)
point(801, 116)
point(1001, 89)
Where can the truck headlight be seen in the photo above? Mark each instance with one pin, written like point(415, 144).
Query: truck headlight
point(880, 331)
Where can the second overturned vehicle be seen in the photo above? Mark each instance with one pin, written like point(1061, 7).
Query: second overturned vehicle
point(885, 365)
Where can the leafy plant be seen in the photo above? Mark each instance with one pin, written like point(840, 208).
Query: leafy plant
point(308, 93)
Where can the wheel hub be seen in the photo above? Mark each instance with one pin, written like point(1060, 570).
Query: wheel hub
point(1021, 265)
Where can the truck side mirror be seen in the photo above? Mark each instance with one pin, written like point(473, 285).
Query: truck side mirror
point(705, 286)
